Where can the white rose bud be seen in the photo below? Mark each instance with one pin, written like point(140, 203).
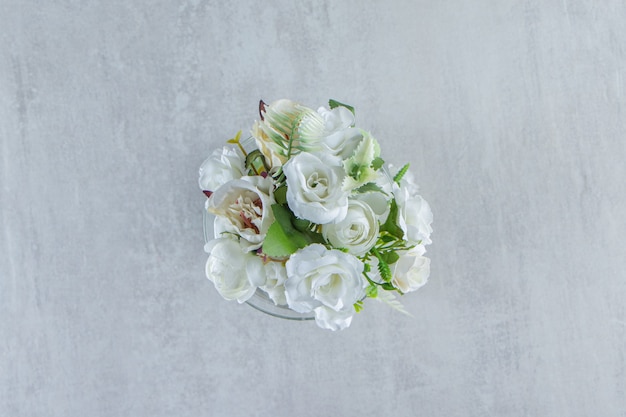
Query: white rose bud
point(357, 232)
point(235, 273)
point(314, 188)
point(223, 165)
point(414, 214)
point(339, 138)
point(411, 271)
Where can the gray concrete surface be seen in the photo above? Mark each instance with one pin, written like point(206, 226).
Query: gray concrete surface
point(512, 114)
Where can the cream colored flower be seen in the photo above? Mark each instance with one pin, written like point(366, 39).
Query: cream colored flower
point(287, 128)
point(244, 208)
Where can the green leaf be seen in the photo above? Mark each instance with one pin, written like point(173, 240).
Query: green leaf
point(371, 291)
point(358, 306)
point(389, 298)
point(277, 244)
point(377, 163)
point(255, 162)
point(280, 195)
point(284, 237)
point(235, 139)
point(334, 103)
point(390, 257)
point(383, 268)
point(359, 165)
point(370, 186)
point(391, 225)
point(398, 177)
point(301, 224)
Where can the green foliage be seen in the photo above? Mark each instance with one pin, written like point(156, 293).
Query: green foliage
point(391, 224)
point(301, 224)
point(359, 165)
point(288, 234)
point(371, 291)
point(236, 139)
point(370, 186)
point(398, 177)
point(277, 244)
point(390, 257)
point(377, 163)
point(255, 162)
point(383, 267)
point(280, 195)
point(334, 103)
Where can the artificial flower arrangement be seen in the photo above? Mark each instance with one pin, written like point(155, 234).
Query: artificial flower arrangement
point(312, 215)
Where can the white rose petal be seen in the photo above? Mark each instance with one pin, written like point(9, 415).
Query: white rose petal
point(243, 208)
point(411, 271)
point(336, 119)
point(314, 188)
point(223, 165)
point(235, 273)
point(319, 277)
point(276, 275)
point(414, 214)
point(357, 232)
point(339, 138)
point(327, 318)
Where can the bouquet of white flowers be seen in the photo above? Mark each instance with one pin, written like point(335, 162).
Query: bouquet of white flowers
point(311, 215)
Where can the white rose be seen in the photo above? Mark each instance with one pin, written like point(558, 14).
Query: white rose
point(223, 165)
point(244, 207)
point(339, 137)
point(320, 277)
point(235, 273)
point(414, 214)
point(275, 277)
point(357, 232)
point(337, 119)
point(314, 188)
point(411, 271)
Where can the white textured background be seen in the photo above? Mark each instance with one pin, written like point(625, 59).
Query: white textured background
point(512, 114)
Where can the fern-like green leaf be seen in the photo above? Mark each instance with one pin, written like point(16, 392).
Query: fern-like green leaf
point(398, 177)
point(390, 299)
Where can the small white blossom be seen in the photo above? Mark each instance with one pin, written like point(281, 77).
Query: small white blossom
point(224, 164)
point(411, 271)
point(235, 273)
